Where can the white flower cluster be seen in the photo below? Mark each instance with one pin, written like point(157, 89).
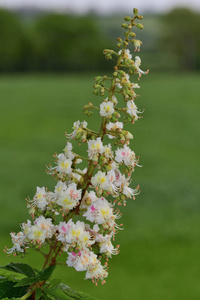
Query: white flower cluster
point(79, 216)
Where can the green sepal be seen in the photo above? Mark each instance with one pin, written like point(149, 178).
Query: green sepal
point(20, 268)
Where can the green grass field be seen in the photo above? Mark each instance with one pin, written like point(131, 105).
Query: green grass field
point(160, 243)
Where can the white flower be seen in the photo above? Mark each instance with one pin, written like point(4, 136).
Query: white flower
point(40, 199)
point(127, 54)
point(117, 126)
point(60, 188)
point(128, 192)
point(18, 242)
point(105, 244)
point(122, 81)
point(63, 164)
point(69, 198)
point(78, 176)
point(99, 179)
point(100, 212)
point(45, 224)
point(88, 199)
point(113, 100)
point(125, 155)
point(132, 109)
point(37, 234)
point(77, 233)
point(76, 126)
point(63, 229)
point(137, 65)
point(82, 260)
point(73, 192)
point(94, 148)
point(106, 109)
point(111, 181)
point(68, 151)
point(107, 151)
point(66, 201)
point(96, 273)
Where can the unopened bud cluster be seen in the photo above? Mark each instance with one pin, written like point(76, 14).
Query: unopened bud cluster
point(90, 194)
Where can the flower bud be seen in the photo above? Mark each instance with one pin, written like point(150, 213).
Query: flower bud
point(127, 18)
point(98, 78)
point(130, 26)
point(137, 44)
point(96, 92)
point(125, 26)
point(133, 34)
point(88, 201)
point(90, 104)
point(96, 86)
point(135, 11)
point(140, 26)
point(105, 226)
point(79, 133)
point(128, 135)
point(108, 56)
point(105, 51)
point(102, 91)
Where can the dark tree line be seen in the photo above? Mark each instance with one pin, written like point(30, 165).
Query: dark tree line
point(59, 42)
point(52, 42)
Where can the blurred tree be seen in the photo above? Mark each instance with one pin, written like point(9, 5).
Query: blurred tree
point(66, 42)
point(182, 37)
point(11, 41)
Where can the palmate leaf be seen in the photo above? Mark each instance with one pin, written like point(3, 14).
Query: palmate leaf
point(20, 268)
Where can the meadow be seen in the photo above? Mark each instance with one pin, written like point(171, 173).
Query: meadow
point(160, 243)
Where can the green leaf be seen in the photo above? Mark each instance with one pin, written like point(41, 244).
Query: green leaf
point(54, 283)
point(20, 268)
point(10, 298)
point(46, 297)
point(8, 289)
point(26, 281)
point(46, 273)
point(74, 294)
point(38, 294)
point(57, 294)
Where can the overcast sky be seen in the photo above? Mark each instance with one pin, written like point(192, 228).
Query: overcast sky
point(102, 6)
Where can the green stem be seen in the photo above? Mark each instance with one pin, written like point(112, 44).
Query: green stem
point(82, 157)
point(28, 294)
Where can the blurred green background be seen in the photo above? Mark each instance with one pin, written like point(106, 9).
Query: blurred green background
point(159, 256)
